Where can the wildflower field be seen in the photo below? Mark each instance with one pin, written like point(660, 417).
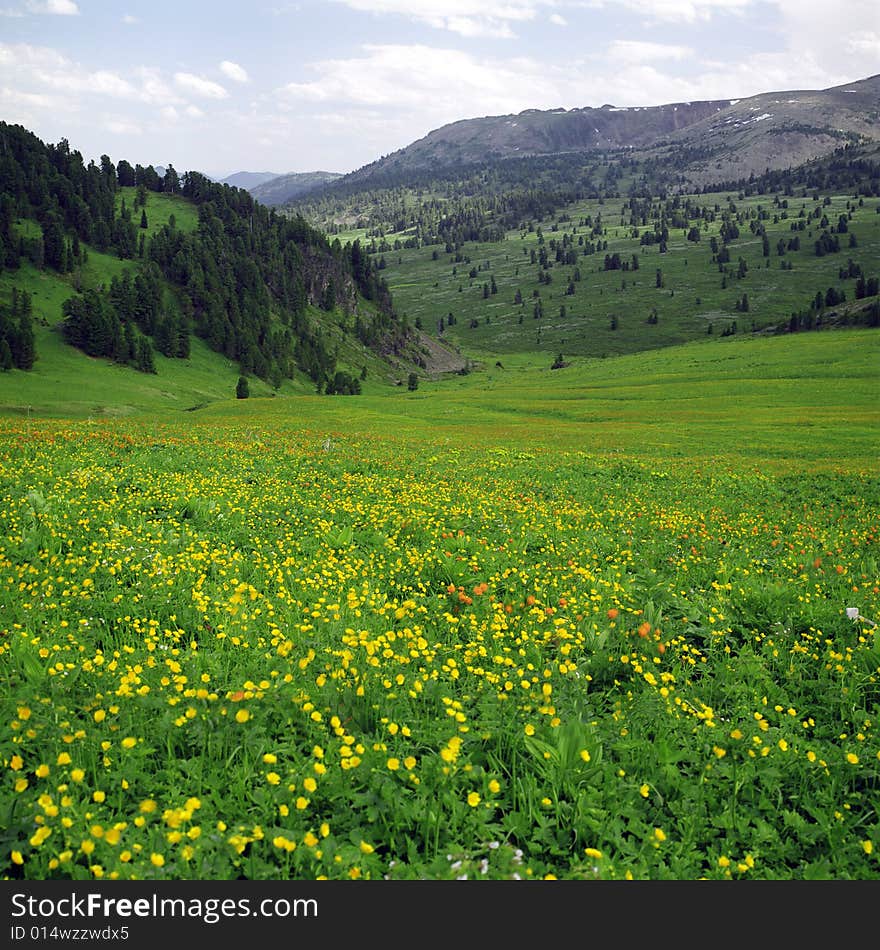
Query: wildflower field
point(285, 640)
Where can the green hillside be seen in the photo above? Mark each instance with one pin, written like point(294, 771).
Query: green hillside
point(64, 381)
point(110, 275)
point(126, 266)
point(584, 282)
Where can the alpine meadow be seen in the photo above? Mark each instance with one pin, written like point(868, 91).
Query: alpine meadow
point(506, 508)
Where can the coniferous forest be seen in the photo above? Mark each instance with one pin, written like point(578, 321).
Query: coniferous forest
point(243, 280)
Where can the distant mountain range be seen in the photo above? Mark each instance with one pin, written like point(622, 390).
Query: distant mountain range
point(714, 141)
point(541, 132)
point(284, 188)
point(271, 188)
point(248, 180)
point(693, 145)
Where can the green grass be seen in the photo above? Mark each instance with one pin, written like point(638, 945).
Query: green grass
point(425, 289)
point(690, 300)
point(159, 209)
point(66, 382)
point(587, 624)
point(760, 401)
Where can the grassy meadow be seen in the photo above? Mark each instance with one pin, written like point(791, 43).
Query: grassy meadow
point(675, 295)
point(586, 623)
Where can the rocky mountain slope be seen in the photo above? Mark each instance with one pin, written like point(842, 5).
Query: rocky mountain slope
point(713, 140)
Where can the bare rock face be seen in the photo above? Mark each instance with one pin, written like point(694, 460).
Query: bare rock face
point(438, 358)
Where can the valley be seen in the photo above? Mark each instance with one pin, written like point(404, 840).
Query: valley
point(502, 520)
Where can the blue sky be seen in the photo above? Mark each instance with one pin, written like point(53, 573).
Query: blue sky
point(334, 84)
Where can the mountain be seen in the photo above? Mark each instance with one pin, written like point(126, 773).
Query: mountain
point(248, 180)
point(162, 169)
point(537, 132)
point(775, 130)
point(284, 188)
point(719, 139)
point(589, 233)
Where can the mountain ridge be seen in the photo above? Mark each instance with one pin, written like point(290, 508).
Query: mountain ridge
point(803, 125)
point(284, 188)
point(248, 180)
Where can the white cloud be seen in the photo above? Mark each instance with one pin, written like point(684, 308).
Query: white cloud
point(194, 112)
point(819, 44)
point(12, 99)
point(468, 18)
point(428, 9)
point(154, 88)
point(44, 67)
point(55, 7)
point(23, 56)
point(109, 84)
point(121, 126)
point(233, 71)
point(558, 20)
point(472, 26)
point(644, 84)
point(828, 31)
point(39, 69)
point(434, 85)
point(865, 44)
point(679, 11)
point(130, 20)
point(198, 86)
point(101, 83)
point(634, 51)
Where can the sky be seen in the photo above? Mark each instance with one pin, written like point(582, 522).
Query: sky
point(331, 85)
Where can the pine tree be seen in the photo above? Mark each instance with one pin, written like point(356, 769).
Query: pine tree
point(183, 339)
point(145, 361)
point(130, 340)
point(54, 251)
point(27, 352)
